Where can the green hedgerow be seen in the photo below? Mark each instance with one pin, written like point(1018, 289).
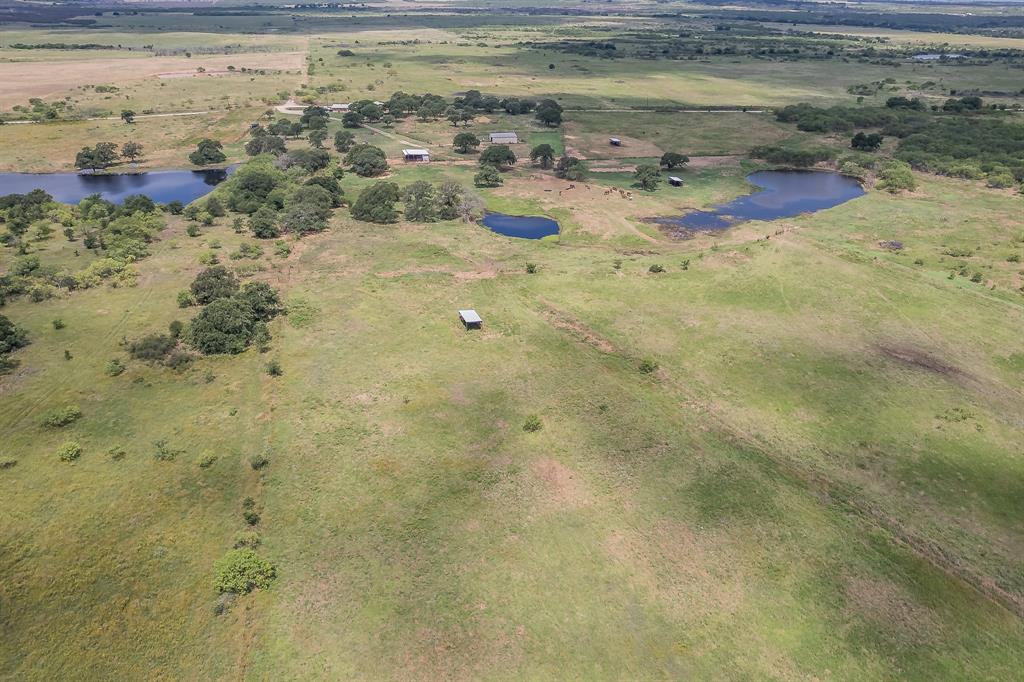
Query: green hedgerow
point(69, 452)
point(241, 571)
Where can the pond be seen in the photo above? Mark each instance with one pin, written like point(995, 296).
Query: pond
point(783, 194)
point(522, 226)
point(160, 186)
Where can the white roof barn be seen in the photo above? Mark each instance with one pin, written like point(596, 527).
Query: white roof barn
point(503, 138)
point(416, 154)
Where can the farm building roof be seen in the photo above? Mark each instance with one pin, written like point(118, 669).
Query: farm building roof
point(470, 316)
point(415, 152)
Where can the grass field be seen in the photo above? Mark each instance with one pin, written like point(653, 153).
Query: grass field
point(794, 453)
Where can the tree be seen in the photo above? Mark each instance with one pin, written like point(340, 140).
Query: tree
point(263, 223)
point(12, 337)
point(314, 117)
point(103, 155)
point(131, 150)
point(387, 120)
point(224, 326)
point(672, 160)
point(352, 119)
point(420, 202)
point(241, 571)
point(376, 203)
point(570, 168)
point(128, 116)
point(265, 144)
point(647, 177)
point(343, 141)
point(544, 154)
point(330, 185)
point(310, 160)
point(463, 143)
point(261, 298)
point(306, 217)
point(866, 143)
point(487, 177)
point(214, 283)
point(458, 115)
point(497, 155)
point(317, 137)
point(449, 198)
point(207, 152)
point(549, 112)
point(371, 111)
point(367, 161)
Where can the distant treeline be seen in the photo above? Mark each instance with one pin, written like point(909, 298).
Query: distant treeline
point(943, 23)
point(61, 46)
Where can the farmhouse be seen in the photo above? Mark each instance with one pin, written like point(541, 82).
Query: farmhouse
point(338, 107)
point(470, 319)
point(416, 155)
point(615, 142)
point(504, 138)
point(675, 181)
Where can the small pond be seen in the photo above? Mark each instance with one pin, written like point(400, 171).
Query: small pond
point(783, 194)
point(523, 226)
point(160, 186)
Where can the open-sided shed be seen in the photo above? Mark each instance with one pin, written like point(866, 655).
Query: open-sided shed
point(471, 319)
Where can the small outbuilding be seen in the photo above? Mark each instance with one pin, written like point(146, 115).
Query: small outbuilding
point(675, 181)
point(615, 142)
point(416, 155)
point(503, 138)
point(338, 107)
point(470, 319)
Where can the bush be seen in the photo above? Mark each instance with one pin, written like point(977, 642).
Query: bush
point(207, 460)
point(175, 328)
point(185, 299)
point(656, 268)
point(258, 462)
point(117, 453)
point(11, 336)
point(58, 324)
point(63, 416)
point(152, 348)
point(178, 360)
point(114, 368)
point(531, 268)
point(164, 452)
point(648, 366)
point(7, 462)
point(274, 368)
point(896, 176)
point(241, 571)
point(487, 177)
point(532, 424)
point(247, 538)
point(69, 452)
point(251, 517)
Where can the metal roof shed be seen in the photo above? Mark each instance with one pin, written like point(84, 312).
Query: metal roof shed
point(470, 319)
point(675, 181)
point(416, 154)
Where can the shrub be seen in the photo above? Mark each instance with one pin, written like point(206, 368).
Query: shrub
point(532, 424)
point(251, 517)
point(63, 416)
point(258, 462)
point(151, 348)
point(531, 268)
point(242, 571)
point(648, 366)
point(117, 453)
point(977, 277)
point(114, 368)
point(69, 452)
point(11, 336)
point(656, 268)
point(175, 328)
point(7, 462)
point(164, 452)
point(193, 230)
point(58, 324)
point(896, 176)
point(178, 360)
point(185, 299)
point(274, 368)
point(207, 460)
point(247, 538)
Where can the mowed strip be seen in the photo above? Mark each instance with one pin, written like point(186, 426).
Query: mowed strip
point(21, 81)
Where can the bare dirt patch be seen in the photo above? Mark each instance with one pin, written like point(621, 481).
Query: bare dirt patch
point(918, 359)
point(563, 488)
point(890, 608)
point(576, 328)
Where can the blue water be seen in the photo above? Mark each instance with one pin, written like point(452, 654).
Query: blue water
point(783, 194)
point(523, 226)
point(160, 186)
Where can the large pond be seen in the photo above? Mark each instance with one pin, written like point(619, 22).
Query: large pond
point(523, 226)
point(783, 194)
point(160, 186)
